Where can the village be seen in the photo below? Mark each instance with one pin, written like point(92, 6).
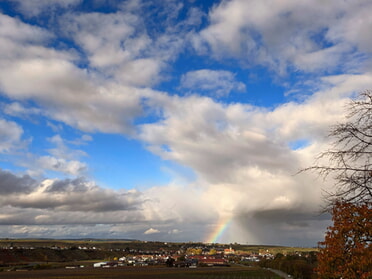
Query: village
point(96, 256)
point(198, 256)
point(136, 253)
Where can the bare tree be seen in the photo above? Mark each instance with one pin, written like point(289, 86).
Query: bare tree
point(349, 158)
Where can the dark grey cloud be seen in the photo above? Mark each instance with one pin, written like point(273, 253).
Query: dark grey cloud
point(50, 197)
point(293, 226)
point(10, 183)
point(77, 185)
point(293, 216)
point(239, 152)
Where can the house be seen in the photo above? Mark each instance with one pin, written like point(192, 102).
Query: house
point(100, 264)
point(229, 251)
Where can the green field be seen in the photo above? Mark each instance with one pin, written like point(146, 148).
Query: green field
point(145, 272)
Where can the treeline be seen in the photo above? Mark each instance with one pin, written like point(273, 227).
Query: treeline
point(300, 266)
point(23, 256)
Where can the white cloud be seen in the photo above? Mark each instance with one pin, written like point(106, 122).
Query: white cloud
point(151, 231)
point(211, 138)
point(105, 48)
point(241, 154)
point(71, 167)
point(29, 207)
point(106, 96)
point(284, 34)
point(216, 83)
point(67, 93)
point(17, 109)
point(53, 203)
point(12, 29)
point(242, 157)
point(10, 136)
point(62, 150)
point(61, 158)
point(126, 53)
point(140, 72)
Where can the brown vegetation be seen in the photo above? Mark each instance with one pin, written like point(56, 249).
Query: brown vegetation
point(346, 251)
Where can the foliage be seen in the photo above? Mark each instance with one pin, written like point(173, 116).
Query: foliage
point(300, 266)
point(346, 251)
point(212, 252)
point(182, 258)
point(194, 251)
point(43, 266)
point(170, 262)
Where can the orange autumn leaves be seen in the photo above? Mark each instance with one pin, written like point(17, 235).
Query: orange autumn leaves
point(346, 251)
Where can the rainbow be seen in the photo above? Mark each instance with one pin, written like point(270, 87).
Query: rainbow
point(221, 227)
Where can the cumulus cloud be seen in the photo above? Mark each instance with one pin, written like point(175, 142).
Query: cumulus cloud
point(13, 30)
point(73, 100)
point(211, 138)
point(284, 34)
point(216, 83)
point(9, 183)
point(56, 201)
point(56, 204)
point(107, 95)
point(35, 208)
point(106, 49)
point(61, 159)
point(64, 91)
point(243, 159)
point(74, 195)
point(130, 53)
point(242, 155)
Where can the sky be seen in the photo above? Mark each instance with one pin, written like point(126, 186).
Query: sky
point(174, 120)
